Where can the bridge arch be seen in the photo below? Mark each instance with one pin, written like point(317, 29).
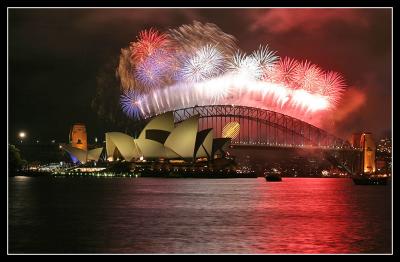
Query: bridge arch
point(260, 126)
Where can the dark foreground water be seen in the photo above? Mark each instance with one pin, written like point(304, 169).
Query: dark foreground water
point(150, 215)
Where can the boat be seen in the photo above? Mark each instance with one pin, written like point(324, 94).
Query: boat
point(370, 180)
point(273, 176)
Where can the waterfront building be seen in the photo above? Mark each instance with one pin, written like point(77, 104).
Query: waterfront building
point(161, 139)
point(78, 147)
point(78, 136)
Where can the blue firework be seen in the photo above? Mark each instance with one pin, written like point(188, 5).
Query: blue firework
point(153, 71)
point(130, 104)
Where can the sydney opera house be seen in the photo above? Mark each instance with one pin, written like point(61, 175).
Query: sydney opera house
point(160, 139)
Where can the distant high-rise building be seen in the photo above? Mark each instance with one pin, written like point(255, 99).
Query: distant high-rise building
point(78, 136)
point(368, 154)
point(385, 145)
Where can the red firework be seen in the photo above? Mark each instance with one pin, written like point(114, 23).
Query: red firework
point(308, 76)
point(332, 85)
point(147, 43)
point(283, 71)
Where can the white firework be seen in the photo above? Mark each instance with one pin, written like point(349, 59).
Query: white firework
point(207, 62)
point(246, 67)
point(265, 57)
point(235, 91)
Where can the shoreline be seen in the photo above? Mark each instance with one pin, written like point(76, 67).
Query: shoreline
point(155, 175)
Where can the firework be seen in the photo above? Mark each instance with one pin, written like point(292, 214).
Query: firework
point(302, 100)
point(199, 64)
point(131, 105)
point(124, 70)
point(191, 37)
point(283, 71)
point(153, 71)
point(147, 43)
point(207, 62)
point(307, 76)
point(265, 57)
point(271, 96)
point(244, 66)
point(332, 85)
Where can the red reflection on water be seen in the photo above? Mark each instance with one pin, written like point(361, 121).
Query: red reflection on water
point(314, 216)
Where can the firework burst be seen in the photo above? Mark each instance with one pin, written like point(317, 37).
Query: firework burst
point(265, 57)
point(283, 71)
point(244, 66)
point(307, 76)
point(153, 71)
point(190, 38)
point(332, 85)
point(147, 43)
point(131, 105)
point(207, 62)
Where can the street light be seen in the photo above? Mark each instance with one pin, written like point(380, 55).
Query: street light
point(22, 135)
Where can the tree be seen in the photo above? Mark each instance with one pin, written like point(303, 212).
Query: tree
point(15, 162)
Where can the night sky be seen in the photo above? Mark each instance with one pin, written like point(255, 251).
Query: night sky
point(55, 56)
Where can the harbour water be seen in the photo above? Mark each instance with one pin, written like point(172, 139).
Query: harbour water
point(161, 215)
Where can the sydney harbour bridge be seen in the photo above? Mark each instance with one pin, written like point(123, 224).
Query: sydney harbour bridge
point(265, 129)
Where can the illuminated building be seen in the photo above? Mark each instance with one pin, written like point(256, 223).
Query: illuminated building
point(78, 149)
point(384, 156)
point(384, 146)
point(78, 136)
point(368, 153)
point(162, 139)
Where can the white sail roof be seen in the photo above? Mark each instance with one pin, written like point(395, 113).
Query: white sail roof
point(183, 138)
point(162, 122)
point(150, 148)
point(80, 154)
point(125, 144)
point(94, 154)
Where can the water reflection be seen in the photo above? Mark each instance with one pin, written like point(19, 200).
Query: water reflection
point(149, 215)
